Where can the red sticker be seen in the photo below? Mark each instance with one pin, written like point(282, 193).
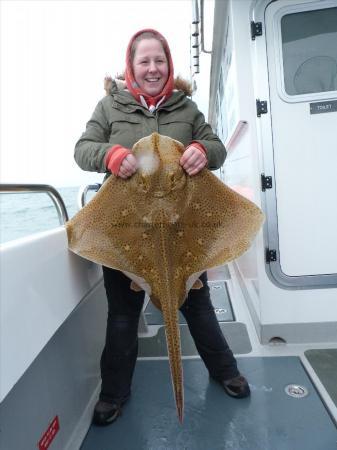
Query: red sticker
point(49, 435)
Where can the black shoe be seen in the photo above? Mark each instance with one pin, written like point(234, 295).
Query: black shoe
point(106, 413)
point(236, 387)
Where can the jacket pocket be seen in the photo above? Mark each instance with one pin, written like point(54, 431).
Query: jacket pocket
point(125, 131)
point(180, 130)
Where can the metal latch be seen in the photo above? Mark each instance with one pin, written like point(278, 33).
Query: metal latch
point(266, 182)
point(271, 255)
point(255, 29)
point(261, 107)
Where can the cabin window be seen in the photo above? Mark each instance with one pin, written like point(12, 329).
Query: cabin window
point(310, 51)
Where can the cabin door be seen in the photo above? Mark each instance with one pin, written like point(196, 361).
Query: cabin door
point(301, 42)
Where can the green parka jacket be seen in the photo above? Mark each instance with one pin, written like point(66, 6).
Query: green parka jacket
point(120, 119)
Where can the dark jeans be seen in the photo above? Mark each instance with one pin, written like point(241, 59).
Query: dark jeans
point(121, 345)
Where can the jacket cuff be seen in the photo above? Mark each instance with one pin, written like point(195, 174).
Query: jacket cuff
point(199, 146)
point(114, 158)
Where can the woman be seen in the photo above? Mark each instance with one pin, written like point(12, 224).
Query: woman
point(150, 104)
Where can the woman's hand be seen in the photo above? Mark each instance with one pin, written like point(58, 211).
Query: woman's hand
point(128, 167)
point(193, 160)
point(120, 161)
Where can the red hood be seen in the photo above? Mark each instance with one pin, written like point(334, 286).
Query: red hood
point(129, 77)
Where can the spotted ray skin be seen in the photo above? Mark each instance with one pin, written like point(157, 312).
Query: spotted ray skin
point(164, 228)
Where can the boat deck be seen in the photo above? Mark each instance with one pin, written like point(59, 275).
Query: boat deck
point(63, 383)
point(269, 419)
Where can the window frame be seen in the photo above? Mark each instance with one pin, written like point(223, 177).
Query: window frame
point(296, 98)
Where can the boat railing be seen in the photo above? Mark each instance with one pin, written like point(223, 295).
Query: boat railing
point(40, 188)
point(83, 191)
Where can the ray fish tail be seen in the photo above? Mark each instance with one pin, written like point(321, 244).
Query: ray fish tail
point(172, 331)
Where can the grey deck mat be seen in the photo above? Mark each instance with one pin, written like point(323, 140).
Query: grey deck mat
point(324, 363)
point(268, 420)
point(220, 300)
point(235, 333)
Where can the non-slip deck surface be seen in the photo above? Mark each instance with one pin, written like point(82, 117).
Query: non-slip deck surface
point(268, 420)
point(235, 333)
point(220, 300)
point(324, 363)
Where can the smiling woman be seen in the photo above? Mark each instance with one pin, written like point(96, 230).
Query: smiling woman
point(150, 66)
point(149, 105)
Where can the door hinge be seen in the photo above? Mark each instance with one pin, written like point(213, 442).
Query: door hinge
point(266, 182)
point(261, 107)
point(271, 255)
point(255, 29)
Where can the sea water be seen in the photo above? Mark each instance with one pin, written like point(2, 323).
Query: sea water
point(23, 214)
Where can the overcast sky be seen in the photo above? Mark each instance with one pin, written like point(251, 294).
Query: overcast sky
point(54, 56)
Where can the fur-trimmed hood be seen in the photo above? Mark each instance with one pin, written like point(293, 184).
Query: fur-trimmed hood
point(119, 84)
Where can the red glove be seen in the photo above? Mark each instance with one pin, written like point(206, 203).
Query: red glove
point(198, 146)
point(114, 158)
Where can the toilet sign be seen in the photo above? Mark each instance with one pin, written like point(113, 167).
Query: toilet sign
point(323, 107)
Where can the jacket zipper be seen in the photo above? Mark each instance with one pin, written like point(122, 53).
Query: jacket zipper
point(157, 121)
